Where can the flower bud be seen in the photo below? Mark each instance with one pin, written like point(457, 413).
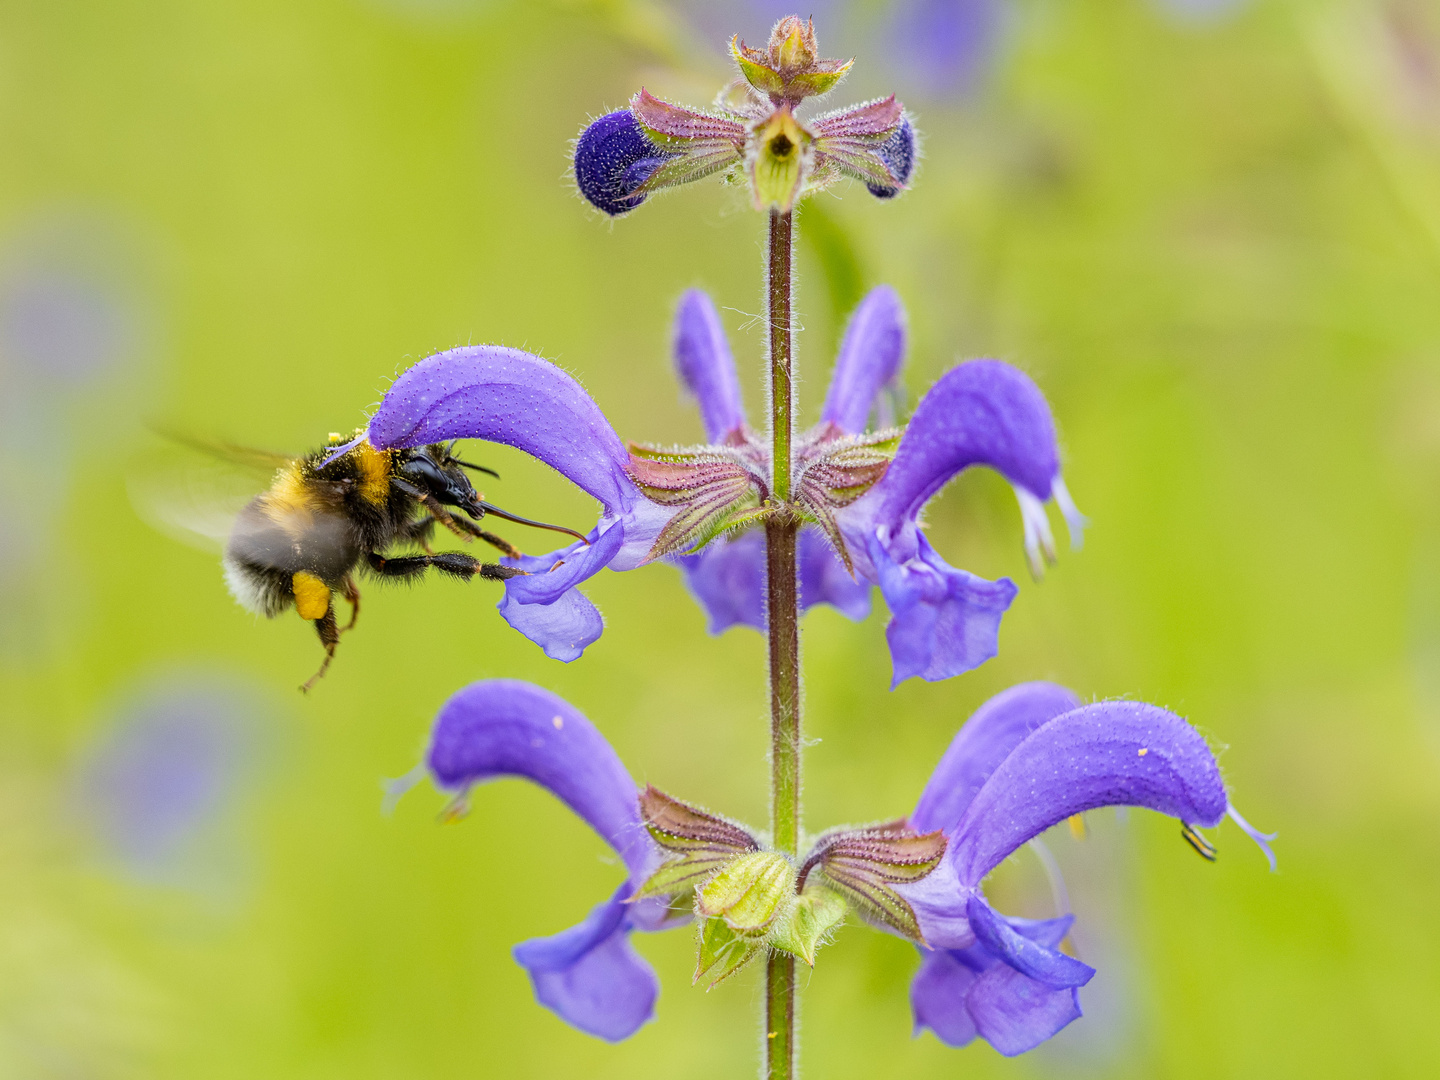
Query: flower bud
point(748, 892)
point(792, 45)
point(898, 154)
point(613, 160)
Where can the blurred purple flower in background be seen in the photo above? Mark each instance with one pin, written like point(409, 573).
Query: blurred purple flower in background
point(160, 781)
point(942, 46)
point(70, 331)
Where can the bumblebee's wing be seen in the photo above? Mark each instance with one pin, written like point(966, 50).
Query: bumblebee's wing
point(192, 490)
point(247, 457)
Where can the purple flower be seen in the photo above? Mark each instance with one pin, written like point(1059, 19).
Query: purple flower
point(157, 784)
point(511, 397)
point(1028, 759)
point(694, 503)
point(590, 976)
point(945, 620)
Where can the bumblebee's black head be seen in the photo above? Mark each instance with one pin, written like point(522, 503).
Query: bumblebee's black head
point(435, 471)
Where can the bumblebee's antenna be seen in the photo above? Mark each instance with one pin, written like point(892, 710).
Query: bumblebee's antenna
point(477, 468)
point(491, 509)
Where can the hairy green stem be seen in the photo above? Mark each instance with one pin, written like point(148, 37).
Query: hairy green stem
point(782, 617)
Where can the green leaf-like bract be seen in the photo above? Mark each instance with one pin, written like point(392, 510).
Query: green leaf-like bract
point(722, 952)
point(804, 925)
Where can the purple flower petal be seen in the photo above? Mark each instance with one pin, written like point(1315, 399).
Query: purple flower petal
point(982, 412)
point(898, 154)
point(613, 158)
point(869, 360)
point(563, 628)
point(961, 993)
point(508, 396)
point(1015, 1013)
point(705, 366)
point(939, 902)
point(1027, 956)
point(824, 579)
point(504, 727)
point(944, 621)
point(727, 579)
point(1115, 753)
point(987, 739)
point(939, 993)
point(590, 976)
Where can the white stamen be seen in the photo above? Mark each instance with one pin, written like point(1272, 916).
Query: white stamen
point(1261, 839)
point(1074, 519)
point(1039, 540)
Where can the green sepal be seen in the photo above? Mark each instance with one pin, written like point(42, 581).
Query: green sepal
point(748, 891)
point(723, 949)
point(840, 476)
point(678, 876)
point(709, 488)
point(703, 843)
point(805, 924)
point(863, 865)
point(759, 76)
point(817, 82)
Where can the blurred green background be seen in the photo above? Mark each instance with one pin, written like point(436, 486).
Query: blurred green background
point(1210, 231)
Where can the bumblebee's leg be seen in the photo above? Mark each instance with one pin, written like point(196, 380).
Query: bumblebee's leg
point(462, 527)
point(497, 542)
point(432, 506)
point(454, 563)
point(351, 592)
point(329, 637)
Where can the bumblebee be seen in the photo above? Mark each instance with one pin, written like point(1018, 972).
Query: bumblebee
point(328, 515)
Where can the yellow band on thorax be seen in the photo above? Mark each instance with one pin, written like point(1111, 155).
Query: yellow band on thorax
point(374, 468)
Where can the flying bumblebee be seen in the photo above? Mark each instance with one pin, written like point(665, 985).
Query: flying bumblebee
point(328, 515)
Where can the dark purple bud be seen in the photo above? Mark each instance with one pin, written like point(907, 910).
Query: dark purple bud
point(898, 154)
point(613, 159)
